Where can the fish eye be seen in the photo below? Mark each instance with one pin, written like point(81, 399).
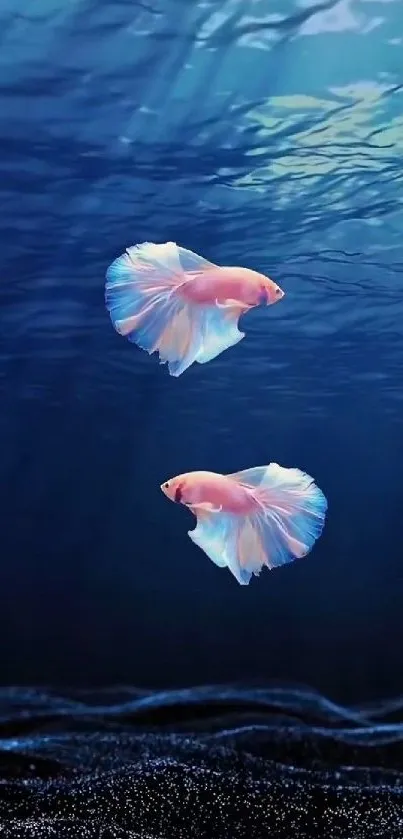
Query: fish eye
point(278, 291)
point(166, 485)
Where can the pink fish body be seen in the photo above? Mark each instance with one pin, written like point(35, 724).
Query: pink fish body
point(268, 515)
point(224, 283)
point(169, 300)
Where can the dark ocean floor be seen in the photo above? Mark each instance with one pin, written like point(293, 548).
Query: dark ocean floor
point(207, 762)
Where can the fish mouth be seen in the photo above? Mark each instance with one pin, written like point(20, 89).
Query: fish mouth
point(177, 497)
point(266, 298)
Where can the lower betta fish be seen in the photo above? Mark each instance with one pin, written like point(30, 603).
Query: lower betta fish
point(167, 299)
point(268, 515)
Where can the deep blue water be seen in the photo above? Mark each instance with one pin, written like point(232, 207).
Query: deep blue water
point(266, 134)
point(254, 132)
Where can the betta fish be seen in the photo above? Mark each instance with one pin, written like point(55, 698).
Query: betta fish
point(167, 299)
point(268, 515)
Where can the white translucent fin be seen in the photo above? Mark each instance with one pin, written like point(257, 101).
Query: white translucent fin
point(214, 534)
point(192, 263)
point(138, 277)
point(219, 330)
point(287, 517)
point(145, 304)
point(291, 511)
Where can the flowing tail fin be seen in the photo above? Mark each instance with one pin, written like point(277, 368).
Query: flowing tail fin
point(287, 517)
point(144, 298)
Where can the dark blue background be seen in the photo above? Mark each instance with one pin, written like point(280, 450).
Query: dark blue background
point(268, 135)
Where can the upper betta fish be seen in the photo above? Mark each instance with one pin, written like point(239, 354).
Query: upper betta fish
point(268, 515)
point(165, 298)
